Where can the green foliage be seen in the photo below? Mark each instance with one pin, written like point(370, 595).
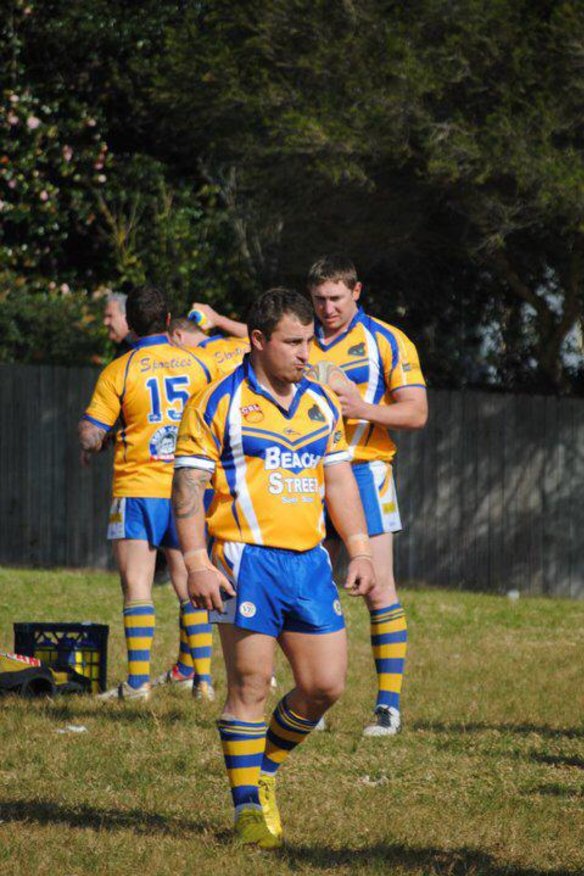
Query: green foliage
point(217, 148)
point(55, 326)
point(79, 216)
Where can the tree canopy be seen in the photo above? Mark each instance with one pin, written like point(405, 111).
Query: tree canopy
point(217, 148)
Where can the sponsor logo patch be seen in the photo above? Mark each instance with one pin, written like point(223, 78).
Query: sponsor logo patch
point(357, 350)
point(247, 609)
point(315, 413)
point(252, 413)
point(337, 607)
point(162, 444)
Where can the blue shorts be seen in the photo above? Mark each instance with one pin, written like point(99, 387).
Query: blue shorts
point(148, 520)
point(278, 590)
point(378, 497)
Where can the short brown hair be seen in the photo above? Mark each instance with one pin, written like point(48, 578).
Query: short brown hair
point(268, 309)
point(336, 268)
point(146, 310)
point(181, 322)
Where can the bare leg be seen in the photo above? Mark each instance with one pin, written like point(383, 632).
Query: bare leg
point(135, 560)
point(319, 664)
point(248, 662)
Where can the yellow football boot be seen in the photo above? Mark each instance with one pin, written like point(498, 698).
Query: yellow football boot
point(267, 789)
point(252, 829)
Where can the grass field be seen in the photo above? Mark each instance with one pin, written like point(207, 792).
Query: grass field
point(486, 779)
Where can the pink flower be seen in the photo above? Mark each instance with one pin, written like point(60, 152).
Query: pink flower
point(12, 118)
point(44, 195)
point(101, 178)
point(65, 289)
point(67, 153)
point(32, 123)
point(14, 98)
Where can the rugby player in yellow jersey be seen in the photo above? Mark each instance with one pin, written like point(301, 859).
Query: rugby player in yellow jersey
point(146, 389)
point(272, 445)
point(221, 355)
point(385, 391)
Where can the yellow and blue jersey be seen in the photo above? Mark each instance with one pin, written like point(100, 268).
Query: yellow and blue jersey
point(267, 463)
point(380, 360)
point(146, 389)
point(222, 354)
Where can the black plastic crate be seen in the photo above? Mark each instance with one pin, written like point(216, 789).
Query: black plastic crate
point(79, 648)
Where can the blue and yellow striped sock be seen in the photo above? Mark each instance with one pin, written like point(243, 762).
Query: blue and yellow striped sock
point(184, 662)
point(139, 623)
point(243, 744)
point(286, 731)
point(200, 639)
point(389, 641)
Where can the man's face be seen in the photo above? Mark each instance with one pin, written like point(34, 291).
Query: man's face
point(335, 304)
point(284, 356)
point(115, 322)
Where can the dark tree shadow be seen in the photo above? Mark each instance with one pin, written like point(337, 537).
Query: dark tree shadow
point(520, 729)
point(558, 760)
point(430, 861)
point(556, 790)
point(136, 820)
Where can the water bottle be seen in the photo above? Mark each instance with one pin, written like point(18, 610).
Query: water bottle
point(198, 317)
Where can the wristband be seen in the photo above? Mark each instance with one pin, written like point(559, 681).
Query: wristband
point(358, 545)
point(200, 560)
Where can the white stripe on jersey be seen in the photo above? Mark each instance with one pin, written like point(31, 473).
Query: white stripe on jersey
point(244, 498)
point(370, 390)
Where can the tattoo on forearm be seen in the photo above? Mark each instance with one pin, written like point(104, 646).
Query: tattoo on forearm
point(188, 487)
point(90, 436)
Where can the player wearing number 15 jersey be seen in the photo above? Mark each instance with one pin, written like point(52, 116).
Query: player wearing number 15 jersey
point(146, 389)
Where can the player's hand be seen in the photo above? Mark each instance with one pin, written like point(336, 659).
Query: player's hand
point(360, 577)
point(210, 315)
point(351, 402)
point(205, 588)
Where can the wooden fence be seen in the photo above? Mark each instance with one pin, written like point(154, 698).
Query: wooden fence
point(490, 492)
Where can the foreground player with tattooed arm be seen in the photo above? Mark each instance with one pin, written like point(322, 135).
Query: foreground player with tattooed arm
point(271, 443)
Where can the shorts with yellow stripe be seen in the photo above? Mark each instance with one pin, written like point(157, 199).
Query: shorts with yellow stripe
point(378, 497)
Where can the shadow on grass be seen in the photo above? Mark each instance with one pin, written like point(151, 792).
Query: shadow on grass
point(556, 790)
point(121, 713)
point(430, 861)
point(136, 820)
point(521, 729)
point(558, 760)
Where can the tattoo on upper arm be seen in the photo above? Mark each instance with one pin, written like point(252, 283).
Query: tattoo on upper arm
point(188, 487)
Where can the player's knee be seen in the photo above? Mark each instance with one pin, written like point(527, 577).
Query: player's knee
point(325, 692)
point(250, 688)
point(383, 592)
